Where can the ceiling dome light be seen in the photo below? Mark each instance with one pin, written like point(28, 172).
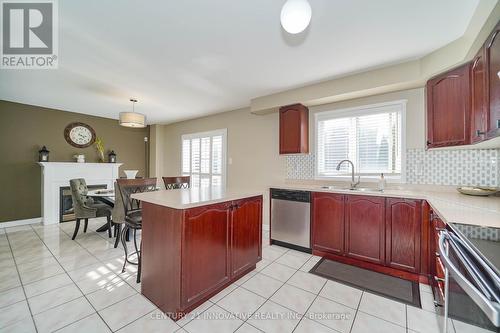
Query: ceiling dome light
point(132, 119)
point(295, 16)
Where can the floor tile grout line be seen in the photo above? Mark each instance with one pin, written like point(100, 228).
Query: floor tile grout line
point(307, 310)
point(270, 300)
point(79, 289)
point(124, 280)
point(19, 276)
point(357, 311)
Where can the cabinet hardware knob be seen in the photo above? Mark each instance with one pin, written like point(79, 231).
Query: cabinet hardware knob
point(428, 143)
point(437, 304)
point(437, 254)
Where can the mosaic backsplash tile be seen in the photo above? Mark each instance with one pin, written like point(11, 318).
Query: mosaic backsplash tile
point(439, 167)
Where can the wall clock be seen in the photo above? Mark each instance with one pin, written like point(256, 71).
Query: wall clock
point(79, 135)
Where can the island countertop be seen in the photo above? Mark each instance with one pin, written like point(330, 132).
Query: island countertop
point(194, 197)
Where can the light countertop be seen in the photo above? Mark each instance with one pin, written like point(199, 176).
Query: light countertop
point(194, 197)
point(451, 206)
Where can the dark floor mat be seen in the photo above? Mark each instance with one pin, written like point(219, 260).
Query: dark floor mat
point(384, 285)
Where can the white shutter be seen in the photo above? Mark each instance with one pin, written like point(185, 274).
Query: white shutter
point(370, 138)
point(203, 158)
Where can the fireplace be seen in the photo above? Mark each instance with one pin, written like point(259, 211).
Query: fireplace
point(66, 212)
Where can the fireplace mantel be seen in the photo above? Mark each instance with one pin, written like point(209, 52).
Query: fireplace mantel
point(58, 174)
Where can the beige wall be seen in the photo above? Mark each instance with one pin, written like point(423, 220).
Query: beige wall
point(251, 145)
point(25, 128)
point(253, 140)
point(415, 113)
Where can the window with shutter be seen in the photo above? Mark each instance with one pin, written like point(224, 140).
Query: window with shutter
point(370, 136)
point(204, 158)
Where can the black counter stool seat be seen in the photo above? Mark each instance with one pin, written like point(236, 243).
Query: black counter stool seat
point(133, 215)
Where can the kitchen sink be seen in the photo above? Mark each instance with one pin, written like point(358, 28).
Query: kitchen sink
point(356, 189)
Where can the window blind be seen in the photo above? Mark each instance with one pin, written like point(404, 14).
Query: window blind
point(203, 158)
point(370, 138)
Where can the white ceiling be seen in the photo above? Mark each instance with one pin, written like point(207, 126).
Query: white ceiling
point(184, 59)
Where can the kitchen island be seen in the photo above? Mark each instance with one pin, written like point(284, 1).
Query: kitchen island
point(195, 242)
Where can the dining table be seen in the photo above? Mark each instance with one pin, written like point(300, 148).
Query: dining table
point(105, 196)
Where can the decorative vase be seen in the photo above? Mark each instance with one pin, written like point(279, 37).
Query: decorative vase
point(131, 173)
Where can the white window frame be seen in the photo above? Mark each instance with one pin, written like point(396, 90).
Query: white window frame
point(222, 132)
point(362, 111)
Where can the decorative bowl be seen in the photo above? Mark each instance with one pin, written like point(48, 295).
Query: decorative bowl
point(478, 191)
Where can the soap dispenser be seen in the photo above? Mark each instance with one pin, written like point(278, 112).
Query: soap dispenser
point(381, 183)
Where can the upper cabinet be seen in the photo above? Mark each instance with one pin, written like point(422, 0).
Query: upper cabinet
point(448, 108)
point(492, 53)
point(294, 129)
point(463, 104)
point(479, 111)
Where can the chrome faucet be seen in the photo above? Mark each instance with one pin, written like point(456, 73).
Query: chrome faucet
point(353, 182)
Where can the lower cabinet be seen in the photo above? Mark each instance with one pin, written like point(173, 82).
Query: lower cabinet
point(328, 222)
point(246, 234)
point(205, 251)
point(403, 233)
point(376, 230)
point(365, 229)
point(188, 255)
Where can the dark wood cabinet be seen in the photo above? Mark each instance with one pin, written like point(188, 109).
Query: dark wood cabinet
point(189, 255)
point(403, 233)
point(294, 129)
point(448, 108)
point(492, 54)
point(436, 268)
point(206, 237)
point(479, 96)
point(377, 233)
point(365, 228)
point(328, 222)
point(246, 234)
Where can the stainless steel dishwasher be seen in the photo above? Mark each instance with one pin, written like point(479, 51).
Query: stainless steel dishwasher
point(291, 219)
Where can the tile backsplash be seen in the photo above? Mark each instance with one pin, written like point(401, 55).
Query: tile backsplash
point(439, 167)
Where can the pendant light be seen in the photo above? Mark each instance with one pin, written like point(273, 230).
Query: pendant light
point(295, 16)
point(132, 119)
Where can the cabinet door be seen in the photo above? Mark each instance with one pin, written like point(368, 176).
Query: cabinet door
point(328, 222)
point(403, 234)
point(493, 69)
point(448, 108)
point(294, 125)
point(205, 251)
point(246, 234)
point(479, 95)
point(365, 228)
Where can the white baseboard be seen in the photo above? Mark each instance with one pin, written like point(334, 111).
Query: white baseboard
point(20, 222)
point(265, 227)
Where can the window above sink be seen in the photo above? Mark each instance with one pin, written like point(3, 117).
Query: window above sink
point(371, 136)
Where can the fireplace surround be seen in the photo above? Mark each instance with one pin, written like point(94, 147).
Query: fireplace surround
point(58, 174)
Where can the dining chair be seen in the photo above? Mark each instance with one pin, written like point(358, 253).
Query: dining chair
point(172, 183)
point(133, 214)
point(85, 207)
point(118, 215)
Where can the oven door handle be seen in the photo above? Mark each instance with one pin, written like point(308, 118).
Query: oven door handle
point(491, 291)
point(491, 309)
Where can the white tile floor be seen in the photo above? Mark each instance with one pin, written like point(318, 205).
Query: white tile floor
point(50, 283)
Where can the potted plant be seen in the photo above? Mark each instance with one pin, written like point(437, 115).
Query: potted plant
point(99, 146)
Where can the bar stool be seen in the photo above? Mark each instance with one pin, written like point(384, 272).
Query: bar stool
point(172, 183)
point(133, 214)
